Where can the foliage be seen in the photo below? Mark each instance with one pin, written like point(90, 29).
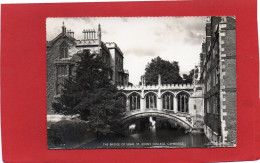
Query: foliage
point(90, 93)
point(189, 78)
point(67, 132)
point(169, 72)
point(101, 108)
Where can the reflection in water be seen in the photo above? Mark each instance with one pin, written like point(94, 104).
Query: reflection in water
point(152, 125)
point(132, 128)
point(151, 136)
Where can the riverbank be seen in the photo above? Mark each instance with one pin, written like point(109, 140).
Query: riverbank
point(69, 134)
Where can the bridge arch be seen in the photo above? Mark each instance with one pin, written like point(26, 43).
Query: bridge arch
point(134, 100)
point(168, 100)
point(183, 121)
point(150, 100)
point(183, 101)
point(121, 93)
point(182, 91)
point(168, 92)
point(150, 92)
point(129, 94)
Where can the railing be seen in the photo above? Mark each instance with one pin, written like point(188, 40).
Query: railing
point(163, 86)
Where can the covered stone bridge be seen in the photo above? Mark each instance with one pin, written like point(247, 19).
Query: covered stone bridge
point(184, 98)
point(177, 102)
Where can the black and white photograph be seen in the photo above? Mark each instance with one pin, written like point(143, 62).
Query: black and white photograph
point(141, 82)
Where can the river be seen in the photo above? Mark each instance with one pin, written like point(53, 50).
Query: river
point(151, 137)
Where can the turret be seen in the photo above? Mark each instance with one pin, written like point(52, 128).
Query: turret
point(159, 80)
point(208, 34)
point(99, 34)
point(63, 29)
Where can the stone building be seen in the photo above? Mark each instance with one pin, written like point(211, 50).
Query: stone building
point(218, 73)
point(120, 75)
point(62, 58)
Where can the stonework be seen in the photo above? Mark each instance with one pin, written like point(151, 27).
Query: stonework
point(62, 57)
point(177, 99)
point(219, 78)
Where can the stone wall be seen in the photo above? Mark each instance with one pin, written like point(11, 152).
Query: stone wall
point(229, 81)
point(220, 124)
point(53, 53)
point(196, 104)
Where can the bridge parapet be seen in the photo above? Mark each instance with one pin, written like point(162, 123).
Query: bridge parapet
point(155, 87)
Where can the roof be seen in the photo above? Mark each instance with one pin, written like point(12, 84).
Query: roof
point(50, 43)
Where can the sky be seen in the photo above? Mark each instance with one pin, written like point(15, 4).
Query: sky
point(142, 38)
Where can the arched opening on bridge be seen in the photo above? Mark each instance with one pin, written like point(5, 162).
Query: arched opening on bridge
point(183, 102)
point(122, 100)
point(134, 99)
point(151, 100)
point(167, 101)
point(158, 117)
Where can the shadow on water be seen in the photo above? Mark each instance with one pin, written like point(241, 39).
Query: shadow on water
point(161, 135)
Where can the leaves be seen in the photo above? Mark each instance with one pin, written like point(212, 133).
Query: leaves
point(90, 93)
point(189, 78)
point(169, 72)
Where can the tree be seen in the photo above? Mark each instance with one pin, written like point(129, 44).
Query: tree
point(169, 72)
point(189, 78)
point(90, 93)
point(186, 79)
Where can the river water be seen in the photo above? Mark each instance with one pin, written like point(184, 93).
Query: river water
point(152, 137)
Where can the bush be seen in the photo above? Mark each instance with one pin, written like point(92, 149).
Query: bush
point(68, 132)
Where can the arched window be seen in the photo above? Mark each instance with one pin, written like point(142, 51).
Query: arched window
point(183, 102)
point(64, 50)
point(167, 101)
point(59, 89)
point(134, 101)
point(151, 101)
point(122, 100)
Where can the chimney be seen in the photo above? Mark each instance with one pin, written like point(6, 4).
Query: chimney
point(70, 33)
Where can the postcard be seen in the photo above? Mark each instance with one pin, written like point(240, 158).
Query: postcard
point(141, 82)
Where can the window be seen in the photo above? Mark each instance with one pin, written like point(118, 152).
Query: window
point(213, 53)
point(207, 105)
point(151, 101)
point(167, 101)
point(213, 105)
point(64, 51)
point(208, 83)
point(183, 102)
point(134, 101)
point(62, 70)
point(217, 74)
point(214, 77)
point(217, 104)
